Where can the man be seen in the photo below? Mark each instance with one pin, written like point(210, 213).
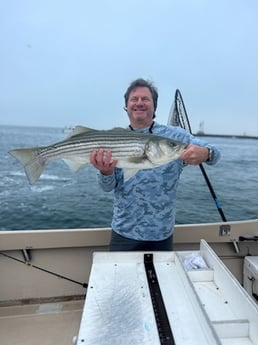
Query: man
point(144, 205)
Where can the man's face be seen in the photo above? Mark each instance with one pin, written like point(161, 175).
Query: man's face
point(140, 107)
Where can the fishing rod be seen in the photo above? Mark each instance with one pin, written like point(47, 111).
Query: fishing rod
point(178, 117)
point(84, 285)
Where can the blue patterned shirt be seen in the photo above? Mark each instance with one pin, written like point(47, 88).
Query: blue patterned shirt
point(144, 205)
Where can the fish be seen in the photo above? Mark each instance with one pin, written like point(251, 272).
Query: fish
point(133, 151)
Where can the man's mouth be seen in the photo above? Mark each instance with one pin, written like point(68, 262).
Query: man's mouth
point(139, 109)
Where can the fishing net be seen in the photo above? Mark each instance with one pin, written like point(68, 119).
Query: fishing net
point(178, 115)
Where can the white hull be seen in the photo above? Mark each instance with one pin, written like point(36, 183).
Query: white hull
point(41, 301)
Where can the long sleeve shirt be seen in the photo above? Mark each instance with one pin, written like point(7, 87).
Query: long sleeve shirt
point(144, 205)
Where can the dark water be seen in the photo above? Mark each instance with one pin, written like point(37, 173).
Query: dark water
point(62, 199)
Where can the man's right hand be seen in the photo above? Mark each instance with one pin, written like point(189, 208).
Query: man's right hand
point(102, 160)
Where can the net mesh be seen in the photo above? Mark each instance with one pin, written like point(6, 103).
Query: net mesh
point(178, 115)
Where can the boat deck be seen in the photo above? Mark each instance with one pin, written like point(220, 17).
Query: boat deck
point(41, 324)
point(60, 264)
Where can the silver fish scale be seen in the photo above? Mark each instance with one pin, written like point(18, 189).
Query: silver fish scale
point(122, 144)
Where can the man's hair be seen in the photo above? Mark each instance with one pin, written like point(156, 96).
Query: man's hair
point(143, 83)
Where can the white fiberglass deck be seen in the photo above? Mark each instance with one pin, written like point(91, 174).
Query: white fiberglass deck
point(204, 305)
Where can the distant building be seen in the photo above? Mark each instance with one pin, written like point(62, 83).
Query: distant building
point(201, 129)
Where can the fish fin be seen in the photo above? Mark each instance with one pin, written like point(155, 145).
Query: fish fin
point(31, 162)
point(120, 129)
point(80, 130)
point(136, 160)
point(75, 164)
point(128, 173)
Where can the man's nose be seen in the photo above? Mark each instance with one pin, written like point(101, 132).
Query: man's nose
point(139, 101)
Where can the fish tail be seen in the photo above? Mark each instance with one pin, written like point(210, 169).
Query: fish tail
point(32, 162)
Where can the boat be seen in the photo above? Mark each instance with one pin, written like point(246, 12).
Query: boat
point(47, 285)
point(63, 286)
point(68, 129)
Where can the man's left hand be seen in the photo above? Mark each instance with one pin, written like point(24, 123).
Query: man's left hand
point(195, 154)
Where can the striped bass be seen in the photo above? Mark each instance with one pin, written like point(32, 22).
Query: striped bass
point(134, 151)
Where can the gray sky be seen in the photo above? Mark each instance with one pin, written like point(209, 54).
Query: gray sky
point(66, 62)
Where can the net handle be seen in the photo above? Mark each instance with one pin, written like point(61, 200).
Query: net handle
point(178, 117)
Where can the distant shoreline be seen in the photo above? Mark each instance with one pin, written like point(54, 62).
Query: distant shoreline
point(232, 136)
point(198, 134)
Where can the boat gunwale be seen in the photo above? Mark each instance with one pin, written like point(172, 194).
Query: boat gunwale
point(99, 237)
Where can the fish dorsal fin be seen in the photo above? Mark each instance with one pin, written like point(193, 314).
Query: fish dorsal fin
point(119, 129)
point(80, 130)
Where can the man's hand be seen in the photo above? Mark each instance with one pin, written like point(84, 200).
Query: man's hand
point(195, 154)
point(102, 160)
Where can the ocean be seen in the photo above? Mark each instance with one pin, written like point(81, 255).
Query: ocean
point(65, 200)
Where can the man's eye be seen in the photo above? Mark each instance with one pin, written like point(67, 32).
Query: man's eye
point(143, 99)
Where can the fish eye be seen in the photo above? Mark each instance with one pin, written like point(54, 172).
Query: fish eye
point(171, 143)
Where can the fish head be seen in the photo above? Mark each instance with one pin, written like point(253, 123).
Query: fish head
point(163, 150)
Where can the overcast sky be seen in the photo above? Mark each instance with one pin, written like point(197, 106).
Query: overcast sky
point(66, 62)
